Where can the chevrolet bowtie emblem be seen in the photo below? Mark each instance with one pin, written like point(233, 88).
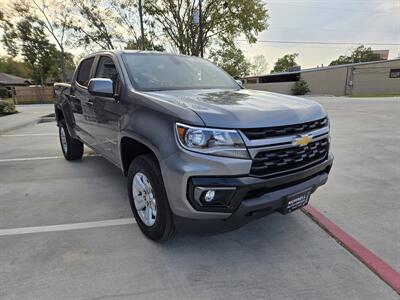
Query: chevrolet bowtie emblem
point(302, 140)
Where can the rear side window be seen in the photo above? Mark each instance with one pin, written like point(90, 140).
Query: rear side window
point(84, 71)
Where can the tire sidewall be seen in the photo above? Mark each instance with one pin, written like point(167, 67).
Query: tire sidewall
point(67, 137)
point(74, 146)
point(146, 165)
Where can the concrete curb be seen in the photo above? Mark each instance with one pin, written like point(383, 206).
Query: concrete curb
point(382, 269)
point(25, 123)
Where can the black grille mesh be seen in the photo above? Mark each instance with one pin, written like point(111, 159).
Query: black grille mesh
point(263, 133)
point(287, 160)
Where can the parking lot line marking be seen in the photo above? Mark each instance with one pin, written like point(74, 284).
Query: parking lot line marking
point(28, 134)
point(66, 227)
point(40, 158)
point(29, 158)
point(366, 256)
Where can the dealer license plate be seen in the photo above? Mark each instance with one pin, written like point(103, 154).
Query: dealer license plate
point(296, 201)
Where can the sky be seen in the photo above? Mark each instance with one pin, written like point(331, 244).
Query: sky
point(342, 21)
point(323, 21)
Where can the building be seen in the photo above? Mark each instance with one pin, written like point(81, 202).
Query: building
point(358, 79)
point(8, 83)
point(383, 54)
point(12, 80)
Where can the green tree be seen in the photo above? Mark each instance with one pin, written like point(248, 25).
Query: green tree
point(360, 54)
point(126, 15)
point(14, 67)
point(231, 59)
point(53, 17)
point(56, 20)
point(259, 65)
point(27, 38)
point(9, 36)
point(93, 24)
point(38, 51)
point(300, 88)
point(148, 45)
point(285, 62)
point(110, 24)
point(223, 21)
point(69, 67)
point(29, 24)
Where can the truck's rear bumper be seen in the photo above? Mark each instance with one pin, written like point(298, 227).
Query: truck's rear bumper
point(271, 195)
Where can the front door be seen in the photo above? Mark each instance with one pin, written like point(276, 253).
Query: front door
point(107, 111)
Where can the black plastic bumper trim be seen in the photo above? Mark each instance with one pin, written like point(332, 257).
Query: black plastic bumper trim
point(249, 210)
point(246, 184)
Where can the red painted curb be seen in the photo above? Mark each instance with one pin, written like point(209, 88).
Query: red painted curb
point(368, 258)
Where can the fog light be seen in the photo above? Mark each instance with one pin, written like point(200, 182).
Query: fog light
point(209, 196)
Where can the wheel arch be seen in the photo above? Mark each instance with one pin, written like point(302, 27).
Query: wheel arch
point(58, 114)
point(130, 148)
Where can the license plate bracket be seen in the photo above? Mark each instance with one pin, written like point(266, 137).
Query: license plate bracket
point(296, 201)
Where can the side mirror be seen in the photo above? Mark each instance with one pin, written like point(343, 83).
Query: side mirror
point(102, 87)
point(239, 82)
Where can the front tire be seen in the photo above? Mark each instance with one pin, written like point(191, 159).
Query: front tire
point(148, 199)
point(71, 148)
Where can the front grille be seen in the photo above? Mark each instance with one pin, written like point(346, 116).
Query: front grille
point(263, 133)
point(287, 160)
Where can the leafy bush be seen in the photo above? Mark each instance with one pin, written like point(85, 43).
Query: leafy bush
point(3, 92)
point(300, 88)
point(7, 108)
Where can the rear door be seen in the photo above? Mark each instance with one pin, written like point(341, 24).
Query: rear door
point(82, 105)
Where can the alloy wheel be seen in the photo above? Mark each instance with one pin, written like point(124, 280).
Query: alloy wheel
point(144, 199)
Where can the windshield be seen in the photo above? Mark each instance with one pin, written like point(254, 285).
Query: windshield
point(155, 72)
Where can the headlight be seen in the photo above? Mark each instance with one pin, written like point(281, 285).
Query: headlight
point(219, 142)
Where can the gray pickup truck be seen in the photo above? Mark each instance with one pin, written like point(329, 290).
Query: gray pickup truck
point(201, 153)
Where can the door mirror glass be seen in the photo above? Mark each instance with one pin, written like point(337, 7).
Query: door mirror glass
point(102, 87)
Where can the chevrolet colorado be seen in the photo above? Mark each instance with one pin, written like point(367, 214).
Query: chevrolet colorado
point(200, 152)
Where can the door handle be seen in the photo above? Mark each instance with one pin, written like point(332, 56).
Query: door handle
point(90, 102)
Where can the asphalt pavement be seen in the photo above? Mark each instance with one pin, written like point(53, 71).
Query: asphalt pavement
point(28, 115)
point(83, 244)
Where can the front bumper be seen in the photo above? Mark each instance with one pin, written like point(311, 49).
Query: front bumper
point(273, 196)
point(254, 197)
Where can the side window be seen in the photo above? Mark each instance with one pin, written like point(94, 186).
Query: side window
point(84, 71)
point(106, 69)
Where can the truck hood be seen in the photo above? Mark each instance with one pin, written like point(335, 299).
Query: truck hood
point(244, 108)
